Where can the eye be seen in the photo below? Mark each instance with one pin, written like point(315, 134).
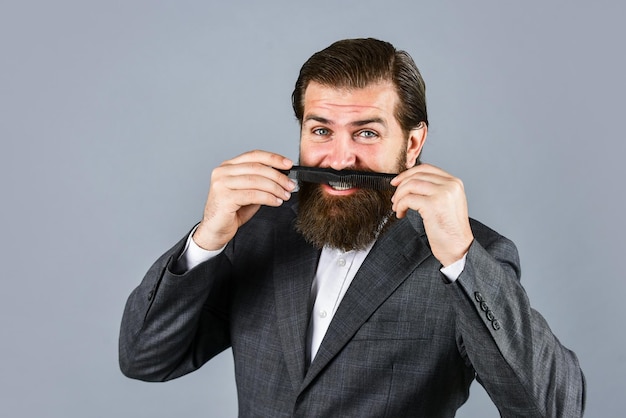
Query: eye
point(321, 131)
point(367, 135)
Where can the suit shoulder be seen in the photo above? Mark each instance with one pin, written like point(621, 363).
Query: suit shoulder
point(484, 234)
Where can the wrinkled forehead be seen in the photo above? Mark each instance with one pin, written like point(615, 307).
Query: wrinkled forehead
point(374, 98)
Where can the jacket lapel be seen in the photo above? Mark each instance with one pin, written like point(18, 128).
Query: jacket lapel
point(295, 265)
point(394, 256)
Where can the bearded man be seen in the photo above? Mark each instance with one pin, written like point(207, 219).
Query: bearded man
point(339, 300)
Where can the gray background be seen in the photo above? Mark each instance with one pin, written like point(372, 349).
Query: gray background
point(113, 114)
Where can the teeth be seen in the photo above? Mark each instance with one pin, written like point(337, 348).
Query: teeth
point(340, 185)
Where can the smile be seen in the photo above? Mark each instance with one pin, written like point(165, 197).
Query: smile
point(340, 185)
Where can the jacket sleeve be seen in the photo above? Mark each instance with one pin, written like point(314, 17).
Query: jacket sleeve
point(174, 323)
point(518, 360)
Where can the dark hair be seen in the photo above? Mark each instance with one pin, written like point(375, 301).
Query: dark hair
point(356, 63)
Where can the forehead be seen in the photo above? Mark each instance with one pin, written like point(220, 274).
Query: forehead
point(375, 97)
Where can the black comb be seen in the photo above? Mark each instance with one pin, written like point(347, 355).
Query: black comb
point(346, 178)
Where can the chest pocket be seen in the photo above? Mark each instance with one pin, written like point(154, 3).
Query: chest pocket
point(394, 330)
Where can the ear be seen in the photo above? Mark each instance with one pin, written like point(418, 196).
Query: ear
point(417, 138)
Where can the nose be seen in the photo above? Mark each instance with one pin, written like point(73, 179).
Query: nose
point(342, 153)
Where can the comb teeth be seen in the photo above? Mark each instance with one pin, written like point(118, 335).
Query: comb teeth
point(341, 178)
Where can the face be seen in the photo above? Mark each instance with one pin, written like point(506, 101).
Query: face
point(351, 129)
point(356, 129)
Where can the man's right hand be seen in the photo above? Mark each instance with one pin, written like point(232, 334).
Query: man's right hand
point(238, 189)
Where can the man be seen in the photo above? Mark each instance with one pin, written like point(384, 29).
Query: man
point(341, 301)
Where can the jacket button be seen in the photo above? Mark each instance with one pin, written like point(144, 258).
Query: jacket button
point(484, 306)
point(479, 297)
point(490, 315)
point(495, 324)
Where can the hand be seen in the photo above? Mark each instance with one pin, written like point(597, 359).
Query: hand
point(440, 200)
point(238, 189)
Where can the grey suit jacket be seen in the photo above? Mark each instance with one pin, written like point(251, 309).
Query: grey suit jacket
point(403, 342)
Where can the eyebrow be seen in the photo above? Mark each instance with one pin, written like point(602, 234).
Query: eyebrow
point(317, 119)
point(364, 122)
point(355, 123)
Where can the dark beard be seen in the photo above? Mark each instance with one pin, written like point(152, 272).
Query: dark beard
point(344, 222)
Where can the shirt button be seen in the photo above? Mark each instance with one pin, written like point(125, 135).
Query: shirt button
point(322, 314)
point(341, 262)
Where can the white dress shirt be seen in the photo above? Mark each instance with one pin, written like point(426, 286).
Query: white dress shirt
point(335, 271)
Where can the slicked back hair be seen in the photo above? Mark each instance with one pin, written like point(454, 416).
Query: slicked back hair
point(357, 63)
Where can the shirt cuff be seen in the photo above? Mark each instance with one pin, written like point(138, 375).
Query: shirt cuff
point(454, 270)
point(194, 255)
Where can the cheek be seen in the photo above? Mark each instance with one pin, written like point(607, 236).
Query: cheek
point(381, 159)
point(311, 156)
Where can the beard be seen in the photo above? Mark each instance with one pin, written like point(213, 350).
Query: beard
point(346, 223)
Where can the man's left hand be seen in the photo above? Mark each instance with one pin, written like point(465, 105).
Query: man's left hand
point(440, 199)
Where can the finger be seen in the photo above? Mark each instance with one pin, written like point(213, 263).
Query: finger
point(252, 172)
point(411, 201)
point(263, 157)
point(427, 197)
point(416, 186)
point(274, 183)
point(433, 178)
point(249, 197)
point(423, 170)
